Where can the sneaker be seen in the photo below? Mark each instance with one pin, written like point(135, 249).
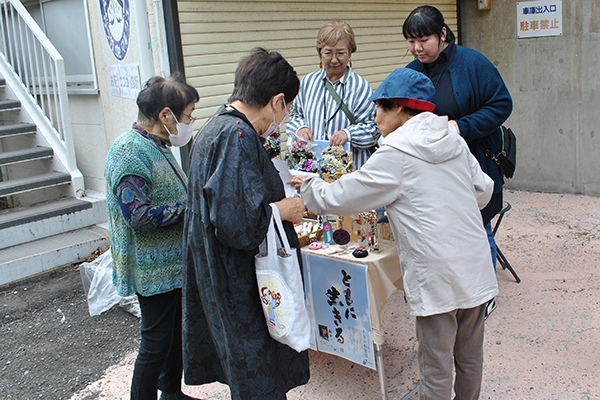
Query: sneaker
point(489, 307)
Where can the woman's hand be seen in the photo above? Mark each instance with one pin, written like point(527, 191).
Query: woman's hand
point(291, 209)
point(339, 138)
point(306, 134)
point(297, 181)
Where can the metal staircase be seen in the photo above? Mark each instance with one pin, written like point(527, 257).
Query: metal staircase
point(46, 219)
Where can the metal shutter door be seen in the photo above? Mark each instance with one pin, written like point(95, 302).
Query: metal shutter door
point(217, 34)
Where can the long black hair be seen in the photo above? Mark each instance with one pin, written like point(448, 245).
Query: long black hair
point(425, 21)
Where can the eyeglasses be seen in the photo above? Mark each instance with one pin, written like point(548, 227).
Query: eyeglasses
point(338, 54)
point(192, 119)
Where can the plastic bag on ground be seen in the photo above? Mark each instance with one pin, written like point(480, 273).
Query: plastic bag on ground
point(96, 277)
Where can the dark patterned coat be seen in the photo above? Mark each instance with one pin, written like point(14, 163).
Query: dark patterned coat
point(231, 183)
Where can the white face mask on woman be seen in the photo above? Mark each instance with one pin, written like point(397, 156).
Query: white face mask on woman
point(184, 133)
point(273, 127)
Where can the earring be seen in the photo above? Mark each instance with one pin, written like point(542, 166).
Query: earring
point(321, 65)
point(350, 63)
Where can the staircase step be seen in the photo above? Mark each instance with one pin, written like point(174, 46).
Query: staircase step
point(11, 187)
point(14, 217)
point(35, 153)
point(17, 129)
point(29, 259)
point(9, 104)
point(26, 224)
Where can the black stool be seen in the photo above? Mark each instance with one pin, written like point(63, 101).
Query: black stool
point(503, 261)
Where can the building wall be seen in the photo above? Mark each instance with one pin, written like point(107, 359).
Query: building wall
point(554, 84)
point(118, 112)
point(217, 35)
point(99, 119)
point(90, 140)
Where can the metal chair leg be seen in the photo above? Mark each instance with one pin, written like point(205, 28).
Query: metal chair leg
point(503, 261)
point(505, 264)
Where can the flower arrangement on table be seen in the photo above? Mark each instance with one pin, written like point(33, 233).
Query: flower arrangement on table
point(300, 157)
point(333, 162)
point(273, 145)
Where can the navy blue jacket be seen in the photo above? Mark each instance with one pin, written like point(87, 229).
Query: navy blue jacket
point(484, 103)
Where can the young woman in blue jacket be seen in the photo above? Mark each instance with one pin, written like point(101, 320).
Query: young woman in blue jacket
point(468, 89)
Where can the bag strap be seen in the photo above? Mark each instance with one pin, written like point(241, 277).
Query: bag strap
point(279, 224)
point(275, 235)
point(269, 244)
point(200, 130)
point(339, 101)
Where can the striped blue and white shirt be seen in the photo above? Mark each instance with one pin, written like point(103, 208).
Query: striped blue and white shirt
point(316, 109)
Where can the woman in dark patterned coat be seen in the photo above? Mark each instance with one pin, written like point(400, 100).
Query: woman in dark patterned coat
point(231, 184)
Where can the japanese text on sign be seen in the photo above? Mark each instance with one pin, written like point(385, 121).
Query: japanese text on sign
point(124, 80)
point(340, 302)
point(345, 303)
point(539, 18)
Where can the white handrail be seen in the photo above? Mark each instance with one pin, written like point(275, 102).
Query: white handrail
point(41, 72)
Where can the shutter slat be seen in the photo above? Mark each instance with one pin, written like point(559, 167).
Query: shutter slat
point(216, 35)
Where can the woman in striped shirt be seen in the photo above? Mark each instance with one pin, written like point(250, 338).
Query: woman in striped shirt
point(318, 115)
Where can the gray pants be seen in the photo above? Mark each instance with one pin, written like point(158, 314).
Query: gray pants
point(458, 333)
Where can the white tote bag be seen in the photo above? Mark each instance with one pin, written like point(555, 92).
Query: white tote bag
point(280, 288)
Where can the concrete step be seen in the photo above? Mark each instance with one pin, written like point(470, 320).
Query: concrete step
point(35, 153)
point(8, 188)
point(17, 129)
point(9, 104)
point(26, 224)
point(33, 258)
point(24, 215)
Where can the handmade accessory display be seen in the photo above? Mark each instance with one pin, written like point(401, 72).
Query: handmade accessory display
point(364, 226)
point(360, 252)
point(308, 232)
point(280, 288)
point(315, 246)
point(335, 162)
point(341, 237)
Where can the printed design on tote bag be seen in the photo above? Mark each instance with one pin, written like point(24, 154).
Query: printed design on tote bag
point(275, 298)
point(271, 298)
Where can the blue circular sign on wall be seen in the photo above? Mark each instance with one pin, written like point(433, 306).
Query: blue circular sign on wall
point(116, 17)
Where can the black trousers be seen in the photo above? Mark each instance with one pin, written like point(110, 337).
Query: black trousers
point(159, 363)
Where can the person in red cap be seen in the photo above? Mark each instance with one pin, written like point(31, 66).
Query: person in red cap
point(432, 189)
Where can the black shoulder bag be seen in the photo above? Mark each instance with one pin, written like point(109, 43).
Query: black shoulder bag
point(506, 159)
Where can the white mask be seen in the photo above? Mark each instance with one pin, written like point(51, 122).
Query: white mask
point(273, 127)
point(184, 133)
